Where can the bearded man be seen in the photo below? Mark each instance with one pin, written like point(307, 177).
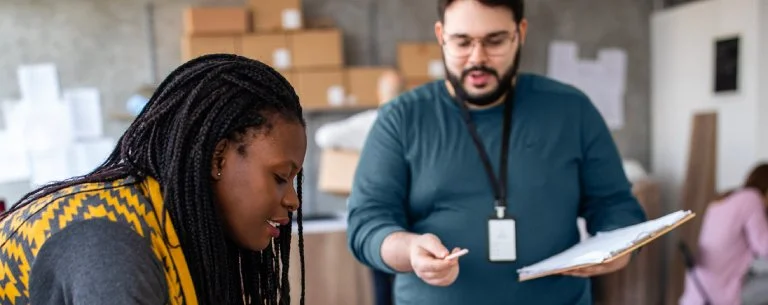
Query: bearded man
point(490, 160)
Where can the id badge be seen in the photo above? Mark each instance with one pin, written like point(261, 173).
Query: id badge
point(502, 240)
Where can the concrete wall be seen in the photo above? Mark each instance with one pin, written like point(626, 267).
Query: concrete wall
point(102, 43)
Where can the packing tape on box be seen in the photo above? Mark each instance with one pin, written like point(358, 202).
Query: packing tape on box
point(291, 19)
point(281, 58)
point(436, 69)
point(335, 95)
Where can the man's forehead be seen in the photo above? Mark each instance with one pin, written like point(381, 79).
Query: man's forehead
point(477, 27)
point(491, 34)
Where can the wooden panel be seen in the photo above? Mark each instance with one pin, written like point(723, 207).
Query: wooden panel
point(699, 189)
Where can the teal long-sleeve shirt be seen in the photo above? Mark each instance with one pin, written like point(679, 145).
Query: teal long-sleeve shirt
point(420, 172)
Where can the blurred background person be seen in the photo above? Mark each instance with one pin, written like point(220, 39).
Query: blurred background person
point(733, 233)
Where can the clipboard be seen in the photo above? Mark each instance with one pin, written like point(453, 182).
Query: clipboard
point(651, 236)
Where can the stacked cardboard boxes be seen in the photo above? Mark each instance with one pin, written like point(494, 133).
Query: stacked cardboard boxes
point(275, 32)
point(213, 30)
point(420, 63)
point(310, 55)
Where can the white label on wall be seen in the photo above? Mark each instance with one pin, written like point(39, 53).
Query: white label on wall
point(291, 19)
point(436, 69)
point(335, 95)
point(281, 58)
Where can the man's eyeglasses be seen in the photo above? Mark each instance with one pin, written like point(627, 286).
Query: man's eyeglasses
point(493, 45)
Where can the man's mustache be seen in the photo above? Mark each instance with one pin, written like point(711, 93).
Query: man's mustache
point(485, 69)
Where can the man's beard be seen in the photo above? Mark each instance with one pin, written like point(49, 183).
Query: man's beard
point(504, 83)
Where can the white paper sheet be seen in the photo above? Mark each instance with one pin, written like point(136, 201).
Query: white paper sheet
point(602, 246)
point(85, 107)
point(47, 126)
point(50, 165)
point(39, 82)
point(603, 80)
point(14, 164)
point(14, 115)
point(87, 155)
point(349, 133)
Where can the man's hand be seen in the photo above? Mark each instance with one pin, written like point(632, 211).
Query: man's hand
point(427, 253)
point(601, 269)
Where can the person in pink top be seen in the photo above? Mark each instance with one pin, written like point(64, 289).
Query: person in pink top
point(734, 232)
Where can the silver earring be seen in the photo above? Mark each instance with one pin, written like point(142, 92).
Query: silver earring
point(218, 174)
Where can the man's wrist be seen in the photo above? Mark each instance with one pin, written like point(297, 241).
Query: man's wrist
point(395, 250)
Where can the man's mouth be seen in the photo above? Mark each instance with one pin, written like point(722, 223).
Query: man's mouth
point(479, 78)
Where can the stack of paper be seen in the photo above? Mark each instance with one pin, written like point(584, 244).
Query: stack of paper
point(51, 134)
point(604, 246)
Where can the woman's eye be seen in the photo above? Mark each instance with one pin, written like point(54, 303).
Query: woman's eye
point(280, 180)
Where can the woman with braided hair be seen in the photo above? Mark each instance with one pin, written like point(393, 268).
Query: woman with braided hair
point(194, 205)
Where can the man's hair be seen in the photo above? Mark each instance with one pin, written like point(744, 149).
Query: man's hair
point(516, 6)
point(173, 139)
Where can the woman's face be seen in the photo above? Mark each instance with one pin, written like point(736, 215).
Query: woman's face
point(253, 181)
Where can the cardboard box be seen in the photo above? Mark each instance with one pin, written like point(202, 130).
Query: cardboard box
point(363, 85)
point(273, 16)
point(215, 20)
point(317, 49)
point(337, 171)
point(289, 76)
point(271, 49)
point(413, 83)
point(194, 46)
point(321, 89)
point(419, 60)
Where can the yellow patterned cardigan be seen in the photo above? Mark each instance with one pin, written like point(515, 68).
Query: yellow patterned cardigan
point(136, 204)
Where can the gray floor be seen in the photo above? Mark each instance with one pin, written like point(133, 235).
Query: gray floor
point(755, 290)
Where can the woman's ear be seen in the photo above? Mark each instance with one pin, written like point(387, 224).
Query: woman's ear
point(217, 162)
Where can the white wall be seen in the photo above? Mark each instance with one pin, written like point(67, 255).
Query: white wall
point(762, 149)
point(682, 51)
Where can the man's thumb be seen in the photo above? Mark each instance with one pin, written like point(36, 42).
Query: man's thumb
point(434, 246)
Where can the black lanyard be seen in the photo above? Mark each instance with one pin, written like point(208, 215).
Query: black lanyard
point(499, 183)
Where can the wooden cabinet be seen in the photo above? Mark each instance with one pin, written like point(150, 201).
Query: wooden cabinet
point(333, 276)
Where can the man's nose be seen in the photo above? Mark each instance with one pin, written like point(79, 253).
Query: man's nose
point(478, 56)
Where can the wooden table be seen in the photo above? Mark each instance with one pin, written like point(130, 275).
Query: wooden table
point(333, 275)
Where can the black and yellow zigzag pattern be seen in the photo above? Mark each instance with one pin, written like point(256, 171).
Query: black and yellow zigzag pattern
point(137, 204)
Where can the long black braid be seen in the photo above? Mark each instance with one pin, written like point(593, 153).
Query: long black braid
point(203, 101)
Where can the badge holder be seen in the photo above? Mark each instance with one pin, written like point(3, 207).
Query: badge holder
point(502, 237)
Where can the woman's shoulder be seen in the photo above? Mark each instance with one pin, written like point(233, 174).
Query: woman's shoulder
point(100, 254)
point(747, 199)
point(84, 189)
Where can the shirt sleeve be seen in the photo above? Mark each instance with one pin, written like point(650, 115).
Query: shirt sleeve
point(381, 186)
point(756, 226)
point(607, 202)
point(97, 262)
